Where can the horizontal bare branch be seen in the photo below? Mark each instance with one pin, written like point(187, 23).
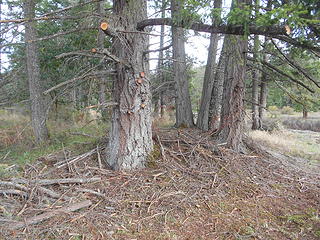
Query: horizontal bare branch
point(158, 50)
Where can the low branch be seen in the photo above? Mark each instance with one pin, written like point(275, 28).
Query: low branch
point(111, 56)
point(62, 34)
point(289, 94)
point(296, 43)
point(71, 7)
point(277, 70)
point(47, 215)
point(295, 65)
point(22, 20)
point(105, 105)
point(84, 53)
point(76, 79)
point(161, 86)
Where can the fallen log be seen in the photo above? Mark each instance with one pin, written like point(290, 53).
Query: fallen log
point(47, 215)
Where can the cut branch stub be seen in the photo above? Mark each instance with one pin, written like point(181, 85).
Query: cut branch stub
point(104, 26)
point(139, 80)
point(94, 50)
point(143, 105)
point(142, 74)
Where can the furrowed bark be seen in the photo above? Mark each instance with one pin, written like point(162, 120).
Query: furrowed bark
point(130, 136)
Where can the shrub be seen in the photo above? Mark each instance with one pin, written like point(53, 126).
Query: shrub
point(273, 108)
point(287, 110)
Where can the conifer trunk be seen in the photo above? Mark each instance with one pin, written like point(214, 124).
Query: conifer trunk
point(255, 87)
point(130, 136)
point(217, 90)
point(232, 113)
point(209, 77)
point(38, 101)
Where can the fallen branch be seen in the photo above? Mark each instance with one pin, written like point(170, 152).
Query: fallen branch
point(15, 185)
point(90, 191)
point(44, 182)
point(13, 192)
point(75, 159)
point(47, 215)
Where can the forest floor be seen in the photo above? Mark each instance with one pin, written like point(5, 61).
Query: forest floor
point(191, 189)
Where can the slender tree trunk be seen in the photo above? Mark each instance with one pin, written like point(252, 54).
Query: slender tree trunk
point(130, 136)
point(209, 77)
point(184, 116)
point(159, 110)
point(255, 87)
point(263, 89)
point(305, 113)
point(102, 80)
point(38, 101)
point(160, 64)
point(217, 90)
point(255, 79)
point(232, 113)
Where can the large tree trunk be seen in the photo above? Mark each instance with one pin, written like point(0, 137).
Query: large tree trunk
point(217, 90)
point(184, 116)
point(209, 77)
point(102, 80)
point(232, 113)
point(38, 109)
point(255, 87)
point(130, 136)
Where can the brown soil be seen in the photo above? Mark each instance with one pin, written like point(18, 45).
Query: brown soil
point(190, 190)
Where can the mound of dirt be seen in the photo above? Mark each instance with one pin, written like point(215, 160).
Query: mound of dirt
point(191, 189)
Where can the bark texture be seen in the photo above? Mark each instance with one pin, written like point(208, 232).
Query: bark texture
point(209, 77)
point(38, 101)
point(184, 116)
point(232, 113)
point(130, 136)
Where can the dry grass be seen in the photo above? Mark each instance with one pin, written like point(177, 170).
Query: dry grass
point(304, 144)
